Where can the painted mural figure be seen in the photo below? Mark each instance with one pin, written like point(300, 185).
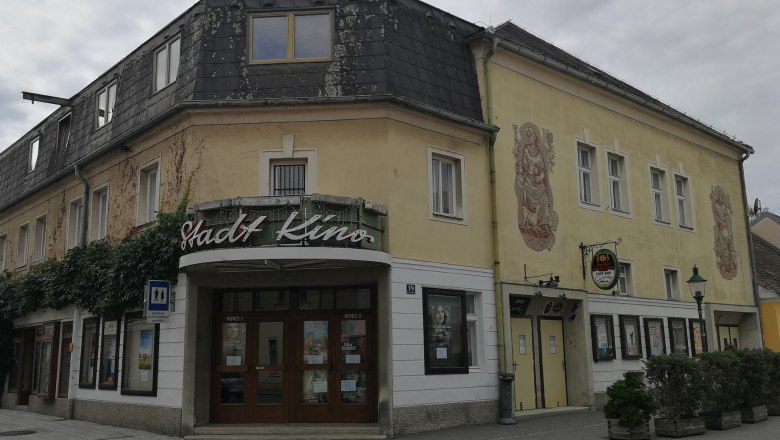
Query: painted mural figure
point(536, 217)
point(725, 252)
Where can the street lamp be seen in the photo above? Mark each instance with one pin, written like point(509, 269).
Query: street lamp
point(697, 285)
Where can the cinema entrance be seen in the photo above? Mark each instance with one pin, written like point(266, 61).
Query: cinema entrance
point(294, 355)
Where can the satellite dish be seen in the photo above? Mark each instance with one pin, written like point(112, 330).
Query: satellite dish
point(756, 207)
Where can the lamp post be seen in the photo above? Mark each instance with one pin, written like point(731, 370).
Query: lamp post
point(697, 285)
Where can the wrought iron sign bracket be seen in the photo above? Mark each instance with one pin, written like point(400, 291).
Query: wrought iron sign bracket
point(587, 249)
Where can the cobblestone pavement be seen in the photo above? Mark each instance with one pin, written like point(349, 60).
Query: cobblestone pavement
point(576, 426)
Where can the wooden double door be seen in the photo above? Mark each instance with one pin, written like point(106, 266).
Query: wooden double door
point(294, 355)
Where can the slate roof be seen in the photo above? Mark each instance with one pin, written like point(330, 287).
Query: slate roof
point(765, 214)
point(403, 49)
point(767, 258)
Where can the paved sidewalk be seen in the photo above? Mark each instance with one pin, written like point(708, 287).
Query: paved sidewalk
point(576, 426)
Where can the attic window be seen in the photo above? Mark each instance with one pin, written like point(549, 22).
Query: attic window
point(292, 36)
point(34, 152)
point(166, 63)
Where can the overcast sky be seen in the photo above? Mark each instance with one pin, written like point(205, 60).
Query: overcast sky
point(716, 60)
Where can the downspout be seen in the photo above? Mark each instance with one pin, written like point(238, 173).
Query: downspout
point(74, 366)
point(494, 214)
point(756, 297)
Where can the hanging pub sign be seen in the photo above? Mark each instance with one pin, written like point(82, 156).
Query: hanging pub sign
point(605, 269)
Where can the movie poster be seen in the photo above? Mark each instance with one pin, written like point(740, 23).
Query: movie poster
point(315, 342)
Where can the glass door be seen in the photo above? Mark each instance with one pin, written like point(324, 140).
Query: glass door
point(315, 368)
point(270, 372)
point(355, 370)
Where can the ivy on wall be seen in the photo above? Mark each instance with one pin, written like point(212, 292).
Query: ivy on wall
point(104, 278)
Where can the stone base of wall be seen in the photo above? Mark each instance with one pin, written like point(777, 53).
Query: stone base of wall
point(160, 419)
point(411, 419)
point(600, 399)
point(53, 407)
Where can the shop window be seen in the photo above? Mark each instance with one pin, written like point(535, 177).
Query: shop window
point(39, 243)
point(631, 345)
point(444, 320)
point(166, 63)
point(288, 177)
point(34, 146)
point(658, 195)
point(106, 98)
point(66, 348)
point(682, 193)
point(292, 36)
point(587, 172)
point(697, 342)
point(603, 335)
point(89, 343)
point(22, 245)
point(446, 184)
point(109, 354)
point(618, 188)
point(671, 285)
point(148, 193)
point(98, 218)
point(45, 360)
point(75, 223)
point(139, 368)
point(655, 337)
point(678, 335)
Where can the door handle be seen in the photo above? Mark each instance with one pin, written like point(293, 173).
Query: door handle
point(260, 367)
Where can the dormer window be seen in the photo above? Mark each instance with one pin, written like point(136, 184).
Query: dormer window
point(34, 152)
point(166, 63)
point(292, 36)
point(106, 98)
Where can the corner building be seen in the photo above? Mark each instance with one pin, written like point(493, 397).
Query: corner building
point(374, 190)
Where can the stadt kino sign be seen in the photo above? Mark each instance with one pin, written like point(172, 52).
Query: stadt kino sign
point(605, 269)
point(196, 234)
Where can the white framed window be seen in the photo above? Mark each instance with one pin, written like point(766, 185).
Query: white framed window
point(166, 63)
point(148, 192)
point(39, 243)
point(282, 171)
point(75, 225)
point(587, 175)
point(626, 279)
point(22, 243)
point(98, 218)
point(446, 196)
point(474, 330)
point(618, 183)
point(292, 36)
point(671, 284)
point(3, 251)
point(34, 146)
point(658, 195)
point(288, 177)
point(683, 196)
point(63, 133)
point(106, 98)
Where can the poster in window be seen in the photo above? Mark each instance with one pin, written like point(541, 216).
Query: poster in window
point(630, 329)
point(353, 341)
point(602, 337)
point(679, 339)
point(233, 343)
point(315, 342)
point(655, 332)
point(696, 340)
point(145, 350)
point(444, 325)
point(315, 386)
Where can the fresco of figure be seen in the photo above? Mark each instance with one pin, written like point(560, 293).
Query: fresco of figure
point(536, 217)
point(725, 252)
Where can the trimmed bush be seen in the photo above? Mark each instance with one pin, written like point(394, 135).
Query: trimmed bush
point(754, 370)
point(676, 384)
point(629, 401)
point(721, 376)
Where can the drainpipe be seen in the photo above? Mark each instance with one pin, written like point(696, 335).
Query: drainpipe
point(74, 366)
point(506, 412)
point(750, 248)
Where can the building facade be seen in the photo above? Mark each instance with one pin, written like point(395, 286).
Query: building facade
point(372, 201)
point(765, 232)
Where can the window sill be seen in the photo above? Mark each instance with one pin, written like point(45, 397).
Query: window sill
point(591, 206)
point(291, 60)
point(448, 218)
point(139, 393)
point(154, 92)
point(662, 223)
point(686, 228)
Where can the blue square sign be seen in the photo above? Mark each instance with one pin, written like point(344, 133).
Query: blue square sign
point(158, 296)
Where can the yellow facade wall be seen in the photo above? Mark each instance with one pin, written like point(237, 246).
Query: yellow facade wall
point(379, 153)
point(575, 112)
point(770, 324)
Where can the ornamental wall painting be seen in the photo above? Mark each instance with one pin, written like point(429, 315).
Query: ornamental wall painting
point(725, 252)
point(534, 156)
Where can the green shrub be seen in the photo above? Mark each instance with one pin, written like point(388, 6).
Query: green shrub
point(720, 370)
point(773, 395)
point(754, 370)
point(676, 384)
point(629, 401)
